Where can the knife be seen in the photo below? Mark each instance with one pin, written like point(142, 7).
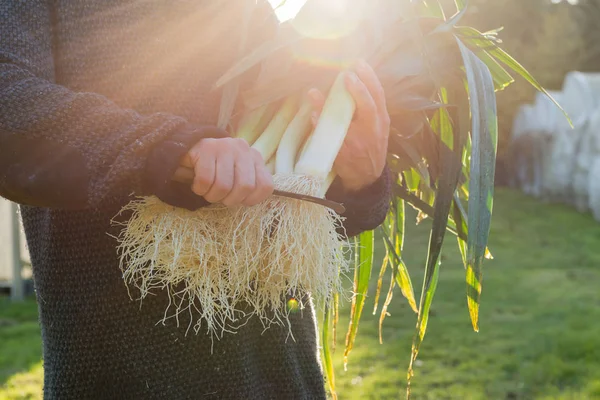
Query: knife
point(186, 175)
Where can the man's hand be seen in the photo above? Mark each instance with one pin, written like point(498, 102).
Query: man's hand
point(228, 171)
point(362, 158)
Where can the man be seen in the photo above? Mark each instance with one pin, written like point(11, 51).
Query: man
point(102, 99)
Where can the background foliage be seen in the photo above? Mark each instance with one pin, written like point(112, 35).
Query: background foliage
point(548, 38)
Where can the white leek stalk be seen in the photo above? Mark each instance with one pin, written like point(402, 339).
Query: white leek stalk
point(269, 140)
point(302, 150)
point(325, 185)
point(271, 165)
point(326, 140)
point(292, 139)
point(254, 122)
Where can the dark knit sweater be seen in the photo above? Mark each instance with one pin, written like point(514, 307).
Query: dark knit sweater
point(99, 99)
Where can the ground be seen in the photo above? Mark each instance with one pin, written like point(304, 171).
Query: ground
point(539, 329)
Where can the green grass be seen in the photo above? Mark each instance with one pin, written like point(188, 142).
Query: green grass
point(21, 374)
point(540, 316)
point(539, 329)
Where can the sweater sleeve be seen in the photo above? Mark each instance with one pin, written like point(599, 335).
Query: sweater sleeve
point(66, 149)
point(365, 209)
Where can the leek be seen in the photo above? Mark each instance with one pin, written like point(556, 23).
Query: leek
point(292, 139)
point(269, 140)
point(271, 165)
point(254, 122)
point(326, 141)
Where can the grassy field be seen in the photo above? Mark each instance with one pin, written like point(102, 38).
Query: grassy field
point(540, 320)
point(20, 349)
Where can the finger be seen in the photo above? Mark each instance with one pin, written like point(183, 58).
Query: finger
point(187, 161)
point(264, 186)
point(244, 181)
point(256, 156)
point(183, 175)
point(204, 174)
point(346, 155)
point(224, 175)
point(370, 79)
point(365, 105)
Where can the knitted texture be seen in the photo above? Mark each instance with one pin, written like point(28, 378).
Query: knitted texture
point(92, 93)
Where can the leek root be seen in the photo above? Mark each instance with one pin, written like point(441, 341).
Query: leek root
point(220, 257)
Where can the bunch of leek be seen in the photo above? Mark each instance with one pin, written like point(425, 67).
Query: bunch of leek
point(440, 81)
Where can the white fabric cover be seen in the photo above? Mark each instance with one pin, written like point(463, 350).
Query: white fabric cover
point(594, 187)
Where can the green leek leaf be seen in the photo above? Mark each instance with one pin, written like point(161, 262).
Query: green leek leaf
point(362, 276)
point(484, 135)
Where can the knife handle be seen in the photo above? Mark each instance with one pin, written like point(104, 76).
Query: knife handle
point(186, 175)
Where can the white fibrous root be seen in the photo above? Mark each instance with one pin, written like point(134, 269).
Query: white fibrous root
point(217, 261)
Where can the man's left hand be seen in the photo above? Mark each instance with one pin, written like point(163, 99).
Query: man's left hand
point(362, 157)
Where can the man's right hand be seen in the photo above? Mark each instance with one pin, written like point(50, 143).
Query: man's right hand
point(229, 171)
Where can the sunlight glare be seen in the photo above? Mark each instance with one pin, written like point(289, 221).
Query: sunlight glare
point(286, 9)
